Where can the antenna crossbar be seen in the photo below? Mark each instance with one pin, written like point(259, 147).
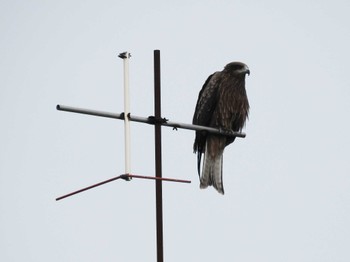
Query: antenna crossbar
point(149, 120)
point(126, 177)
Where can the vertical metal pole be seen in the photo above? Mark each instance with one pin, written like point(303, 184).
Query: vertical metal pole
point(158, 155)
point(126, 56)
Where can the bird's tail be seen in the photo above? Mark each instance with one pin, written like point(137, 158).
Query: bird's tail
point(212, 170)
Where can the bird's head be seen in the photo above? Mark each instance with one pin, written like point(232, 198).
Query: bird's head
point(237, 68)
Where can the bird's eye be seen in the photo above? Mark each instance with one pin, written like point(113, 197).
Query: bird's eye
point(237, 67)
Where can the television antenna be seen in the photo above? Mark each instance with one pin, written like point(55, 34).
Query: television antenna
point(158, 122)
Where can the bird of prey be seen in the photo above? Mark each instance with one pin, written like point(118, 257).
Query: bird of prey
point(222, 103)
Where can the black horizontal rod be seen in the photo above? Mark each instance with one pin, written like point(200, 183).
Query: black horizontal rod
point(126, 177)
point(149, 120)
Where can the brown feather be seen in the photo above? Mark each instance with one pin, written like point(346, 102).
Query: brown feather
point(222, 103)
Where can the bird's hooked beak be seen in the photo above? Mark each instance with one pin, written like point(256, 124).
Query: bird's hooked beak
point(246, 70)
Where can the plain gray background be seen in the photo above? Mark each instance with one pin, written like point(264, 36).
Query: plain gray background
point(287, 183)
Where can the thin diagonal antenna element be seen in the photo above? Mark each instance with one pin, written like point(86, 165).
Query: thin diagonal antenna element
point(126, 177)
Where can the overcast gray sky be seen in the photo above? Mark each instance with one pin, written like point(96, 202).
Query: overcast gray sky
point(287, 183)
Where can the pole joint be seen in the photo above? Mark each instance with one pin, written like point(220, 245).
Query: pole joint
point(157, 120)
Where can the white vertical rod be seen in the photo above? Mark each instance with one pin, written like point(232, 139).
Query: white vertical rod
point(126, 56)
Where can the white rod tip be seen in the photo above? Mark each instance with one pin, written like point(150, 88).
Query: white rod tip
point(124, 55)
